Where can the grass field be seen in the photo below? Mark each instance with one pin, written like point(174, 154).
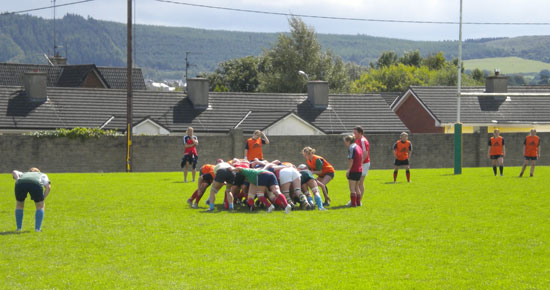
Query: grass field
point(135, 231)
point(507, 65)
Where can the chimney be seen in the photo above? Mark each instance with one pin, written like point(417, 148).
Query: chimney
point(197, 90)
point(58, 60)
point(35, 85)
point(317, 93)
point(496, 83)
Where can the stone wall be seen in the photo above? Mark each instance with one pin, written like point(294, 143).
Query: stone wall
point(163, 153)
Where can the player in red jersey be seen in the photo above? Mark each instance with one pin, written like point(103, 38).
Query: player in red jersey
point(190, 156)
point(355, 168)
point(364, 144)
point(402, 150)
point(531, 151)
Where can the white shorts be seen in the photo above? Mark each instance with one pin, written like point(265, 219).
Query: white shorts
point(287, 175)
point(366, 167)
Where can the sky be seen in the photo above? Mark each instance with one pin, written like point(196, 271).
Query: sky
point(169, 14)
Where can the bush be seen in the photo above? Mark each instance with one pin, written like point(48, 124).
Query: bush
point(77, 132)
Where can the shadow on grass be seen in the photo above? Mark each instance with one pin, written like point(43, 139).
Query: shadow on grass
point(13, 233)
point(180, 182)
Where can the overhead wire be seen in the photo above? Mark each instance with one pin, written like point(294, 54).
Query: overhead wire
point(45, 7)
point(348, 18)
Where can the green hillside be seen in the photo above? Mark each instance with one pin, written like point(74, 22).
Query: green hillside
point(507, 65)
point(160, 50)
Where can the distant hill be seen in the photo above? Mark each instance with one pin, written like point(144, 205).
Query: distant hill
point(160, 51)
point(507, 65)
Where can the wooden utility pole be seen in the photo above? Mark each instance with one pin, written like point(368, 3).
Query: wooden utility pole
point(129, 90)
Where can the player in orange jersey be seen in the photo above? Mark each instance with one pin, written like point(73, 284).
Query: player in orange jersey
point(402, 150)
point(253, 146)
point(206, 178)
point(497, 151)
point(531, 151)
point(324, 170)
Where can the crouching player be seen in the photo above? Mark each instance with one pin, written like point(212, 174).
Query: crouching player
point(223, 175)
point(206, 178)
point(261, 180)
point(308, 182)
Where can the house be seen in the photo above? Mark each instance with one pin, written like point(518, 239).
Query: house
point(434, 109)
point(82, 75)
point(158, 112)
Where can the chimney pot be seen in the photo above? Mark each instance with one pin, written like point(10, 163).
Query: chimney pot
point(317, 93)
point(35, 85)
point(197, 91)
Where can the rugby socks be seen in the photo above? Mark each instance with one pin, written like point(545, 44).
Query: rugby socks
point(408, 173)
point(501, 169)
point(230, 206)
point(359, 197)
point(38, 217)
point(194, 195)
point(394, 175)
point(250, 202)
point(264, 200)
point(318, 201)
point(19, 218)
point(310, 199)
point(286, 194)
point(281, 201)
point(353, 198)
point(225, 202)
point(495, 170)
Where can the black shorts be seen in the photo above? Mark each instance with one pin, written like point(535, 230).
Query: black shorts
point(34, 189)
point(354, 176)
point(207, 178)
point(305, 176)
point(401, 162)
point(267, 179)
point(225, 175)
point(239, 179)
point(495, 157)
point(191, 159)
point(331, 174)
point(534, 158)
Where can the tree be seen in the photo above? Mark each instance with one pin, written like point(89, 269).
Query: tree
point(412, 58)
point(236, 75)
point(300, 51)
point(435, 61)
point(477, 75)
point(386, 59)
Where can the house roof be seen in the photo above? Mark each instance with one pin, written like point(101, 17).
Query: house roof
point(11, 74)
point(87, 107)
point(442, 103)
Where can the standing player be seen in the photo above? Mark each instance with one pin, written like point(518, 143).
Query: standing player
point(497, 151)
point(309, 182)
point(355, 168)
point(531, 151)
point(190, 156)
point(363, 143)
point(224, 176)
point(402, 150)
point(38, 186)
point(321, 167)
point(253, 146)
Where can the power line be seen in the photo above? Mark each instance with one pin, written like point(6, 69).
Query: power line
point(46, 7)
point(349, 18)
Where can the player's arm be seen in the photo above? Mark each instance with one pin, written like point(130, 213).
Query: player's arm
point(394, 150)
point(318, 166)
point(16, 174)
point(196, 141)
point(503, 149)
point(489, 149)
point(264, 137)
point(410, 150)
point(246, 150)
point(47, 189)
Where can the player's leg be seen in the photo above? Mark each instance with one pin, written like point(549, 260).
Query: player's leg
point(285, 189)
point(494, 165)
point(532, 167)
point(408, 172)
point(366, 167)
point(261, 197)
point(525, 163)
point(280, 198)
point(501, 165)
point(19, 205)
point(216, 185)
point(196, 193)
point(312, 183)
point(353, 192)
point(194, 171)
point(39, 216)
point(325, 180)
point(185, 168)
point(395, 171)
point(296, 185)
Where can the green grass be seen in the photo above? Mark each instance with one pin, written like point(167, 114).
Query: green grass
point(507, 65)
point(135, 231)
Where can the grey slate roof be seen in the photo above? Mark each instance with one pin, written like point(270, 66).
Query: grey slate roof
point(442, 103)
point(11, 74)
point(85, 107)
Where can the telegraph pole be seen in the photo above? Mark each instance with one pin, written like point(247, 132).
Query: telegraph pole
point(129, 90)
point(458, 125)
